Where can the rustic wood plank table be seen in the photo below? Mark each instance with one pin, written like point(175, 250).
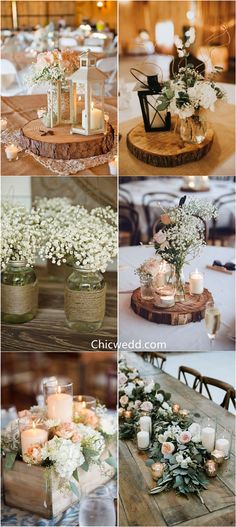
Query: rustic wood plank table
point(139, 508)
point(48, 330)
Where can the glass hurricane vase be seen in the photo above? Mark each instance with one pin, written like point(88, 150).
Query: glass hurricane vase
point(179, 280)
point(85, 300)
point(193, 129)
point(19, 293)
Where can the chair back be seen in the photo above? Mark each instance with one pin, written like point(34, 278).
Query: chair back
point(94, 41)
point(109, 66)
point(8, 74)
point(228, 389)
point(155, 358)
point(153, 203)
point(125, 197)
point(219, 203)
point(128, 226)
point(67, 42)
point(197, 377)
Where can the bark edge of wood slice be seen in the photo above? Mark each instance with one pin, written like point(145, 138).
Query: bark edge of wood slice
point(62, 144)
point(165, 149)
point(192, 310)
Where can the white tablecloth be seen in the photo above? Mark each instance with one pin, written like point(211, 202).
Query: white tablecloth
point(191, 337)
point(217, 188)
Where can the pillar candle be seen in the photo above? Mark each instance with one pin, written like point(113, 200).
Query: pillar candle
point(146, 423)
point(60, 407)
point(208, 438)
point(96, 118)
point(196, 283)
point(3, 124)
point(31, 437)
point(223, 445)
point(143, 440)
point(11, 152)
point(113, 166)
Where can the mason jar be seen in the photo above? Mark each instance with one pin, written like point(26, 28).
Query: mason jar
point(85, 300)
point(19, 293)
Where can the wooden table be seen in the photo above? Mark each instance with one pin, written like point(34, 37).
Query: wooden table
point(137, 507)
point(48, 331)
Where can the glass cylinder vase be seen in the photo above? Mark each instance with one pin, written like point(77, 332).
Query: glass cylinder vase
point(19, 293)
point(85, 300)
point(58, 398)
point(193, 129)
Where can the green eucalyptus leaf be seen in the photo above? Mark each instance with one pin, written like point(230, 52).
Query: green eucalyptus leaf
point(10, 460)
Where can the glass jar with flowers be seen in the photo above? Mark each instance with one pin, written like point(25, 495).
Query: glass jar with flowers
point(86, 241)
point(181, 236)
point(189, 94)
point(20, 241)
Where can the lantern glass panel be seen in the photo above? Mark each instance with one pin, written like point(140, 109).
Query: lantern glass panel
point(154, 120)
point(64, 103)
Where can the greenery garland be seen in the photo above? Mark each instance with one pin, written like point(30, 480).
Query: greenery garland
point(175, 440)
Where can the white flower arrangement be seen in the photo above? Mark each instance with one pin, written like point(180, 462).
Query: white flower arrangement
point(73, 234)
point(53, 66)
point(148, 269)
point(189, 92)
point(21, 234)
point(70, 445)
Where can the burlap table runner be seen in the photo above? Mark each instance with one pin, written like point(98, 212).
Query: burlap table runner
point(219, 161)
point(19, 110)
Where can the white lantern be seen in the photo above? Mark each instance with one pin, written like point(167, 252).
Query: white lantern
point(87, 97)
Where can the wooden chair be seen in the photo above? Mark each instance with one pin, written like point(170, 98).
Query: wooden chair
point(152, 203)
point(222, 233)
point(233, 397)
point(129, 233)
point(190, 371)
point(155, 358)
point(224, 386)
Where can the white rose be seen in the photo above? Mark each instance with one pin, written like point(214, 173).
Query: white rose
point(159, 397)
point(146, 406)
point(124, 400)
point(149, 387)
point(122, 379)
point(179, 458)
point(140, 384)
point(129, 388)
point(107, 426)
point(137, 404)
point(166, 406)
point(195, 431)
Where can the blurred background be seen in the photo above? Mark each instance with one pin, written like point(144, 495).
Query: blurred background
point(91, 373)
point(31, 27)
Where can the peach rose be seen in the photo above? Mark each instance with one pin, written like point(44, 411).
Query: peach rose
point(165, 219)
point(185, 437)
point(167, 448)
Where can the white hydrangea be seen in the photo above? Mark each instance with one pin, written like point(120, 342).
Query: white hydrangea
point(129, 388)
point(202, 95)
point(159, 397)
point(65, 455)
point(108, 425)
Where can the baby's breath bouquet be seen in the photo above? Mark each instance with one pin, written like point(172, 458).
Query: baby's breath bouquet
point(181, 232)
point(21, 234)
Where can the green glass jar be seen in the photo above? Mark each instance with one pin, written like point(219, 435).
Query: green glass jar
point(85, 300)
point(19, 293)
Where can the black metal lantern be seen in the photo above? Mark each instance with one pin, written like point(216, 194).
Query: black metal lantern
point(148, 93)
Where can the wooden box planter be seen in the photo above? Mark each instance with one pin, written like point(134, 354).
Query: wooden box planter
point(29, 488)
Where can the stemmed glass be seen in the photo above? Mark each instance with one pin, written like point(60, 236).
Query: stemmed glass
point(97, 509)
point(212, 320)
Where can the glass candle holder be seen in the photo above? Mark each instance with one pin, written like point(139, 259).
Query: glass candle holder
point(59, 401)
point(84, 410)
point(208, 433)
point(19, 293)
point(145, 423)
point(143, 439)
point(157, 470)
point(33, 435)
point(146, 288)
point(223, 441)
point(217, 456)
point(211, 468)
point(164, 297)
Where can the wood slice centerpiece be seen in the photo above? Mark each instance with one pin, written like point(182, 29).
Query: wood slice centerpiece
point(192, 310)
point(166, 149)
point(61, 144)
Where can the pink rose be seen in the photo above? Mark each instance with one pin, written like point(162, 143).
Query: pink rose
point(146, 406)
point(124, 400)
point(65, 430)
point(24, 413)
point(185, 437)
point(167, 448)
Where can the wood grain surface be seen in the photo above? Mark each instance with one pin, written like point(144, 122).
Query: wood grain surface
point(139, 508)
point(192, 310)
point(61, 144)
point(166, 149)
point(48, 330)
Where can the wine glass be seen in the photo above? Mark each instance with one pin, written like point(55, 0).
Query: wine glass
point(97, 509)
point(212, 320)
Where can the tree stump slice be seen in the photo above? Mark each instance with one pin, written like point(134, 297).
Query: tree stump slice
point(192, 310)
point(62, 144)
point(165, 149)
point(192, 190)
